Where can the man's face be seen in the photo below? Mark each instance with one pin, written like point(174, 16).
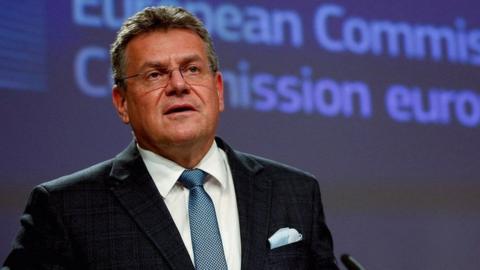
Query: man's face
point(177, 113)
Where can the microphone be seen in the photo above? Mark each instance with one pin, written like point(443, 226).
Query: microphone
point(351, 263)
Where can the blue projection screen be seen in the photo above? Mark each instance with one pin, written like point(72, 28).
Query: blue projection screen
point(379, 99)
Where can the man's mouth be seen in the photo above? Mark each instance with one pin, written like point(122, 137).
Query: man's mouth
point(179, 109)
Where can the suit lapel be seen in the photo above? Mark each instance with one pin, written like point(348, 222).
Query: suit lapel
point(136, 191)
point(253, 194)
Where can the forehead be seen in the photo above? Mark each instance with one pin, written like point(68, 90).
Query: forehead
point(164, 46)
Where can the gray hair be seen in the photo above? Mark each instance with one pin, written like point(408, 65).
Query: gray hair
point(157, 18)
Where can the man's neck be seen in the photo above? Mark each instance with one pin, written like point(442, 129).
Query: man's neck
point(185, 155)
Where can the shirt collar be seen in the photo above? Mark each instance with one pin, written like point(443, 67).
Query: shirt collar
point(165, 172)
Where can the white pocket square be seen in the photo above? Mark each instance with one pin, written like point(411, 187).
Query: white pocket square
point(284, 236)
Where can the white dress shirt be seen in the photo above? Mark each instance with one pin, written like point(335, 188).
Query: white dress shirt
point(218, 185)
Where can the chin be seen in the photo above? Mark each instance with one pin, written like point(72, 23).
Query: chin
point(185, 138)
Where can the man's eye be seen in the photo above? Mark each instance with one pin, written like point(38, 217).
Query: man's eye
point(153, 75)
point(193, 70)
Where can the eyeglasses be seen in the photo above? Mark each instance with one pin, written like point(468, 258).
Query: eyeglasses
point(157, 78)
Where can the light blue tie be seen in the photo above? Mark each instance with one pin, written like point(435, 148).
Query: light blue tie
point(206, 240)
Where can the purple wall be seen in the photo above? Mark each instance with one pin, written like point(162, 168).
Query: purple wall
point(379, 99)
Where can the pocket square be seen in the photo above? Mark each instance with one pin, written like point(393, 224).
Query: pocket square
point(284, 236)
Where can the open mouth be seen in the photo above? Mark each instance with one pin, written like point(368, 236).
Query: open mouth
point(179, 109)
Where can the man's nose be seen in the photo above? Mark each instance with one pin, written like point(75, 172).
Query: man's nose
point(177, 84)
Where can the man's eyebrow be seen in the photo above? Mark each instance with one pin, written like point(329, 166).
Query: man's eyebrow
point(163, 64)
point(154, 64)
point(191, 58)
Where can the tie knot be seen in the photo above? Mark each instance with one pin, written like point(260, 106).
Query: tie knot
point(192, 178)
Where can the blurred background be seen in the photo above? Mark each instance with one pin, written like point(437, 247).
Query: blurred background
point(379, 99)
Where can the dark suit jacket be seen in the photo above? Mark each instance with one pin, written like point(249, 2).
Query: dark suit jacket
point(111, 216)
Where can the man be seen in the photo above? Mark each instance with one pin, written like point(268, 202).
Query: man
point(140, 209)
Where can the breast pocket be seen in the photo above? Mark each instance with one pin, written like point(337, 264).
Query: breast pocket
point(293, 256)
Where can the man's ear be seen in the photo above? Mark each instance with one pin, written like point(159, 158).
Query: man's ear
point(219, 86)
point(120, 103)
